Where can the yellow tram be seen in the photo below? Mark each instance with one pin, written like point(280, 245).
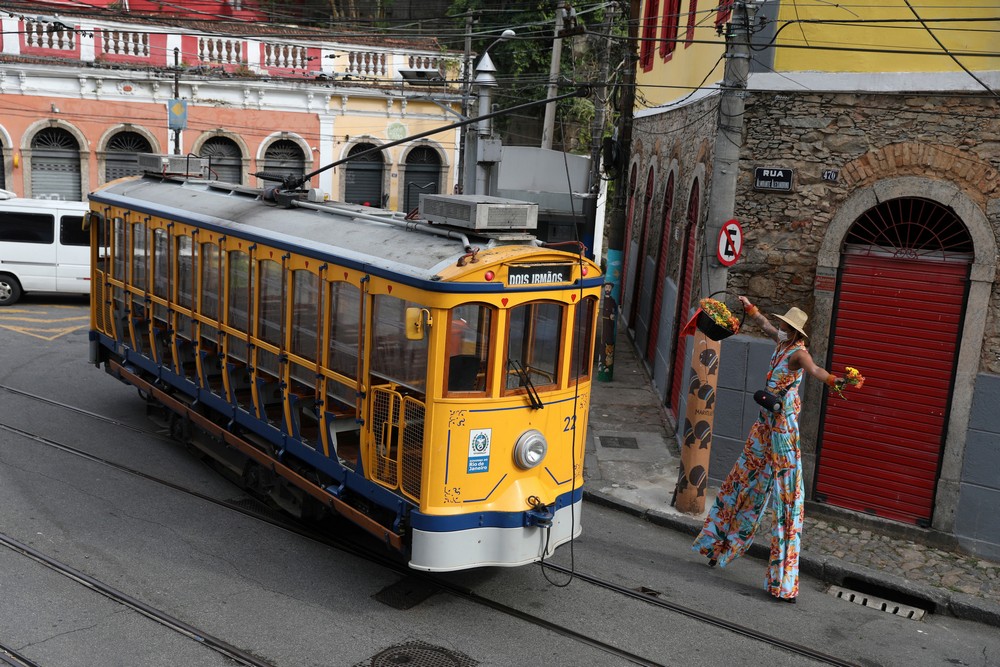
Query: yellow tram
point(429, 381)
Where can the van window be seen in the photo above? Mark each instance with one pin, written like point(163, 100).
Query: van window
point(71, 231)
point(27, 227)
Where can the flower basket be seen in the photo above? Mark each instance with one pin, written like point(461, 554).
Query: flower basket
point(710, 328)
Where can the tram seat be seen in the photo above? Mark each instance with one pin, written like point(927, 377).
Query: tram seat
point(269, 401)
point(463, 371)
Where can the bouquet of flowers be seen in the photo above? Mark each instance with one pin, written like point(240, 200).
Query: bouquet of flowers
point(852, 378)
point(720, 314)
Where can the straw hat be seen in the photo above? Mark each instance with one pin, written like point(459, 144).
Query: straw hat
point(796, 319)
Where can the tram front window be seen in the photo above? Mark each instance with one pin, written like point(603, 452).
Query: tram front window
point(469, 334)
point(534, 345)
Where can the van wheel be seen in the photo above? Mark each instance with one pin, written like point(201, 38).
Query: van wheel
point(10, 290)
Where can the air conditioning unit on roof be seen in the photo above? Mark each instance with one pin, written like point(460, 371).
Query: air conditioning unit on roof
point(173, 165)
point(479, 212)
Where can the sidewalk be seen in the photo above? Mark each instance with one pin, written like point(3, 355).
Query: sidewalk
point(631, 464)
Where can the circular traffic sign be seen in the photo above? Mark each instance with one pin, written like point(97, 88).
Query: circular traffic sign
point(730, 243)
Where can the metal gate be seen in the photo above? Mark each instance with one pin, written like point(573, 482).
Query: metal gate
point(899, 310)
point(396, 440)
point(423, 176)
point(55, 165)
point(226, 159)
point(364, 177)
point(679, 353)
point(122, 158)
point(3, 174)
point(661, 273)
point(284, 158)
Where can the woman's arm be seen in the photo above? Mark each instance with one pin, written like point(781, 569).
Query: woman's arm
point(802, 359)
point(754, 314)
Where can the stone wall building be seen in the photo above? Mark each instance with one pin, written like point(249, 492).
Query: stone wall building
point(886, 232)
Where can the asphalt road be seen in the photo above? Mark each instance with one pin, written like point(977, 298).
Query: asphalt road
point(291, 602)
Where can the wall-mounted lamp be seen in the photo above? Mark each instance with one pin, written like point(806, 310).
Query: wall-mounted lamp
point(17, 160)
point(54, 108)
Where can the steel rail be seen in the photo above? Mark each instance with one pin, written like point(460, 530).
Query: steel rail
point(12, 657)
point(127, 600)
point(354, 548)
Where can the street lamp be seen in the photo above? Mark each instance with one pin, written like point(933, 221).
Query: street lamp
point(487, 151)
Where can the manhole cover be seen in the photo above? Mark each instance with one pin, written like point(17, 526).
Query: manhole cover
point(619, 442)
point(873, 602)
point(406, 593)
point(418, 654)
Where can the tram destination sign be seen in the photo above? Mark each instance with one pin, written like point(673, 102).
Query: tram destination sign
point(539, 274)
point(775, 179)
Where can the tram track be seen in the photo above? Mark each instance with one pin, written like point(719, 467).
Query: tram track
point(12, 657)
point(383, 559)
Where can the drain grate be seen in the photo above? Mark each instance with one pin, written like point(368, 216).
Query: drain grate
point(619, 442)
point(873, 602)
point(418, 654)
point(406, 593)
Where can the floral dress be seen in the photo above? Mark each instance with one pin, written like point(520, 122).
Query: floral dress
point(769, 469)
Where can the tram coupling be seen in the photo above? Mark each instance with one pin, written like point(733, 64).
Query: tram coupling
point(540, 514)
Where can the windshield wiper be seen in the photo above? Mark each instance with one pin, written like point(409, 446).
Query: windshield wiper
point(529, 387)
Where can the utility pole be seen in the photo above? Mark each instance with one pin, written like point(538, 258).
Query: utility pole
point(689, 494)
point(548, 125)
point(729, 140)
point(600, 108)
point(177, 96)
point(466, 83)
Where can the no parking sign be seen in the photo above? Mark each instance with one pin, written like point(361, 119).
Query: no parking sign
point(730, 243)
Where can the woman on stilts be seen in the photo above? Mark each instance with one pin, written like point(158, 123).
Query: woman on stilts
point(769, 470)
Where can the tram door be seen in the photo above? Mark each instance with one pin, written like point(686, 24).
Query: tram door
point(394, 422)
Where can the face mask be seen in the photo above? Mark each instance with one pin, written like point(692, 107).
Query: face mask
point(782, 336)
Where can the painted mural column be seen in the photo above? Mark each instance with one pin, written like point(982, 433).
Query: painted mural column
point(699, 420)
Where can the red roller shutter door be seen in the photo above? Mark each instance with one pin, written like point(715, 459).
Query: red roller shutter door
point(899, 322)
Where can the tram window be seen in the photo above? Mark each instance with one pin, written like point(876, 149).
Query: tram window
point(395, 357)
point(470, 331)
point(210, 266)
point(71, 231)
point(583, 336)
point(161, 262)
point(534, 344)
point(140, 256)
point(345, 310)
point(270, 308)
point(305, 313)
point(239, 288)
point(185, 272)
point(119, 263)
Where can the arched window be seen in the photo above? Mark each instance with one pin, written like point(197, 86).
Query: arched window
point(226, 159)
point(55, 165)
point(123, 154)
point(364, 177)
point(423, 176)
point(284, 158)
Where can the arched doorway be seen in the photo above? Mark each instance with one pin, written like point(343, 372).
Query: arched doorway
point(423, 176)
point(661, 272)
point(900, 307)
point(55, 165)
point(640, 257)
point(3, 169)
point(627, 241)
point(225, 157)
point(284, 158)
point(364, 177)
point(685, 280)
point(123, 154)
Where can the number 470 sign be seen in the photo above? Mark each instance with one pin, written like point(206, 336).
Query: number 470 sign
point(730, 243)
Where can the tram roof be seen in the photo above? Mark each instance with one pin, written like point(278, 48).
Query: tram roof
point(329, 234)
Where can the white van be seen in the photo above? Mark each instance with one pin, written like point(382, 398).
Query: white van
point(43, 247)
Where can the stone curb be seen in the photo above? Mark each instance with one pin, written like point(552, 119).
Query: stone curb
point(832, 570)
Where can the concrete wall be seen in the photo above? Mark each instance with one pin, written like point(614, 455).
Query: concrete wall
point(977, 522)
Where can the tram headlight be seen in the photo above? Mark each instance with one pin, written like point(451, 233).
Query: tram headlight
point(530, 449)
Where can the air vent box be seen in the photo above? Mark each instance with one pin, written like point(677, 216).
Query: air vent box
point(479, 212)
